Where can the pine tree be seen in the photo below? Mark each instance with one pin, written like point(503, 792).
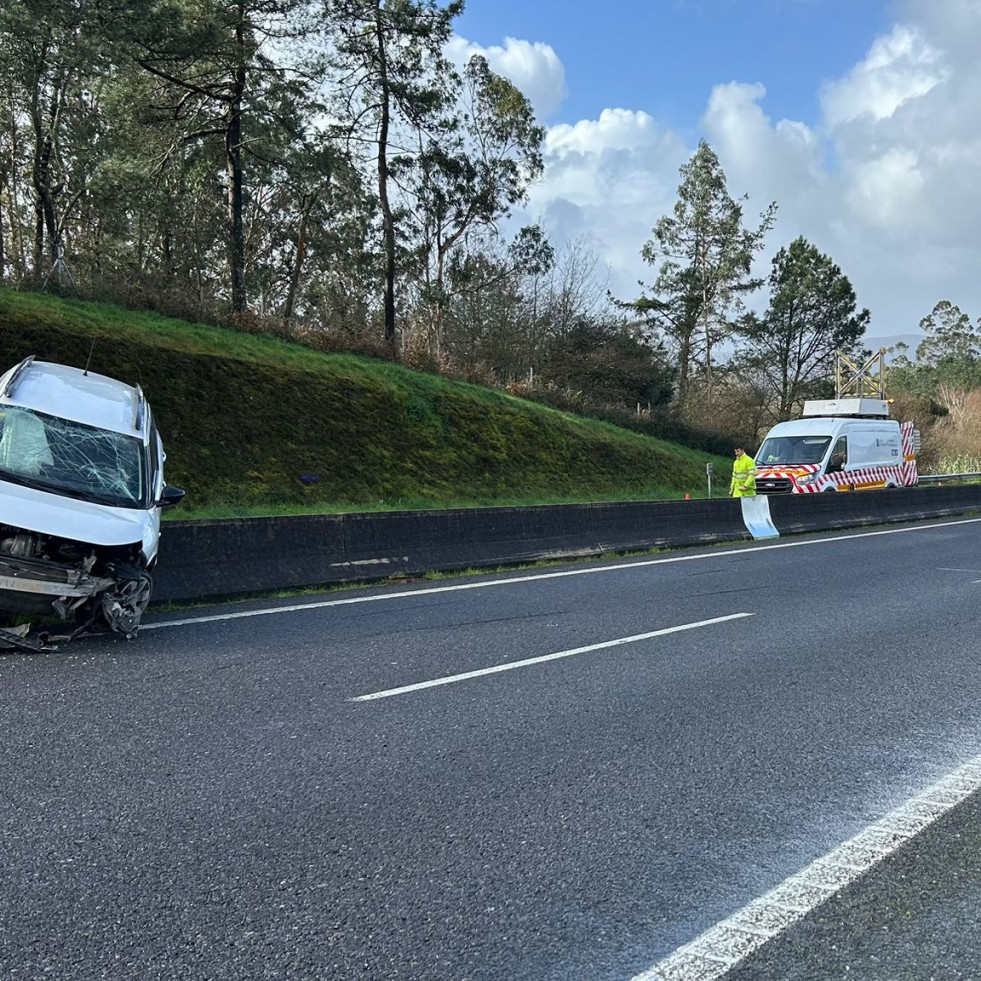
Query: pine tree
point(703, 256)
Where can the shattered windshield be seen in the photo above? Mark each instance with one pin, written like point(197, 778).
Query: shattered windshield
point(788, 450)
point(70, 458)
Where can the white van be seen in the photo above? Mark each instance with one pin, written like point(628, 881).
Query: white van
point(81, 488)
point(839, 445)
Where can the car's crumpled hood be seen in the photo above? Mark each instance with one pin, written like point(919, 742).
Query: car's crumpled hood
point(81, 521)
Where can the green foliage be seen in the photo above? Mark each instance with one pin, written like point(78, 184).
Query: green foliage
point(950, 336)
point(812, 313)
point(951, 350)
point(467, 178)
point(948, 359)
point(268, 424)
point(607, 360)
point(703, 255)
point(962, 463)
point(394, 87)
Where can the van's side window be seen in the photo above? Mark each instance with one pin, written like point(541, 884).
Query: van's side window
point(839, 455)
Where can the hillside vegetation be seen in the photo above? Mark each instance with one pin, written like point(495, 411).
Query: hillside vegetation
point(255, 425)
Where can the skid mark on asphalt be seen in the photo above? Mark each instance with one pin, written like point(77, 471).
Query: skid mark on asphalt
point(712, 955)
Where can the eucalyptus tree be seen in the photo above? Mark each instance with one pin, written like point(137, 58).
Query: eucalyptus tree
point(391, 81)
point(470, 177)
point(222, 78)
point(702, 254)
point(53, 58)
point(311, 233)
point(812, 313)
point(13, 167)
point(951, 339)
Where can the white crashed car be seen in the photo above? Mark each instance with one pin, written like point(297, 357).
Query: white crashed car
point(81, 487)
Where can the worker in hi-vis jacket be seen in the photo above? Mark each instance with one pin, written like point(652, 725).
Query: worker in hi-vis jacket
point(743, 475)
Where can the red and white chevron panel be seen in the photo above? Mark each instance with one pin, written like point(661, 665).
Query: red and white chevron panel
point(864, 478)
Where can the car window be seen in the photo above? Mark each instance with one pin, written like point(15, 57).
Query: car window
point(68, 457)
point(24, 445)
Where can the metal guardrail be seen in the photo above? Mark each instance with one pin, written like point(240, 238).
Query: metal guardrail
point(935, 477)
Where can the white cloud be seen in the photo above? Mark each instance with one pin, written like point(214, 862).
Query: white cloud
point(899, 67)
point(885, 181)
point(762, 159)
point(610, 178)
point(886, 191)
point(619, 129)
point(533, 66)
point(952, 25)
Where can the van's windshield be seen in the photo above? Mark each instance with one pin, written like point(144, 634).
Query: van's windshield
point(70, 458)
point(788, 450)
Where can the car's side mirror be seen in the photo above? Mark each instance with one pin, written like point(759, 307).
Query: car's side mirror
point(170, 497)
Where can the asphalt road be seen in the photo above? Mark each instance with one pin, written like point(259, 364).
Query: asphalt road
point(212, 802)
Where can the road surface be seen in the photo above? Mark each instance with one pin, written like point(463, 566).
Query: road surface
point(561, 773)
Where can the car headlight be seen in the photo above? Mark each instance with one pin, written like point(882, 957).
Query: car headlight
point(806, 478)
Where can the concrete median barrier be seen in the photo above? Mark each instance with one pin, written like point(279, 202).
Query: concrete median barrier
point(235, 557)
point(229, 557)
point(798, 513)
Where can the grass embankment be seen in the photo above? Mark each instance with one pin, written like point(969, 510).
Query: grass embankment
point(254, 425)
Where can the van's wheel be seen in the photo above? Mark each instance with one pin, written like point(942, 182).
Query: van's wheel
point(124, 603)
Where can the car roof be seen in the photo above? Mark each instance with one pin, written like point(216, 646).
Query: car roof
point(81, 396)
point(826, 426)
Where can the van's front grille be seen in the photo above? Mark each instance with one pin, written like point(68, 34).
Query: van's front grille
point(773, 485)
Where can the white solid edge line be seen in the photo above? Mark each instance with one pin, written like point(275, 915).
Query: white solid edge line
point(712, 955)
point(487, 583)
point(529, 661)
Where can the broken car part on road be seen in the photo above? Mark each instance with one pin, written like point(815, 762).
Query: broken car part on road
point(81, 488)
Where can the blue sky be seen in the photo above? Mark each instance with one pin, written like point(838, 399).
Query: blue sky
point(861, 119)
point(665, 56)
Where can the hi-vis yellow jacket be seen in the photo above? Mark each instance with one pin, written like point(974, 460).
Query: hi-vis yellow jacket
point(743, 476)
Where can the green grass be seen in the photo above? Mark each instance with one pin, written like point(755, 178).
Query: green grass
point(255, 425)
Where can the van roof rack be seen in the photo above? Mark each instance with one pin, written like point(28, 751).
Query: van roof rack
point(140, 412)
point(16, 376)
point(856, 408)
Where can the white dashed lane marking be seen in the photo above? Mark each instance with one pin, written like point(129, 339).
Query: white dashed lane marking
point(530, 661)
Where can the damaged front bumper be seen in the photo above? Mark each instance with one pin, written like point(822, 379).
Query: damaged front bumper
point(39, 585)
point(95, 588)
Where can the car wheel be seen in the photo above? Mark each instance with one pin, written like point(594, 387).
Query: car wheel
point(124, 603)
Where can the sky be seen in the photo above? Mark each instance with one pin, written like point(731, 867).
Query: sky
point(861, 119)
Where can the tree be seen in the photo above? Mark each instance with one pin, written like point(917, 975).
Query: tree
point(811, 314)
point(948, 359)
point(703, 256)
point(392, 81)
point(216, 83)
point(492, 323)
point(952, 344)
point(603, 358)
point(13, 163)
point(52, 55)
point(472, 176)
